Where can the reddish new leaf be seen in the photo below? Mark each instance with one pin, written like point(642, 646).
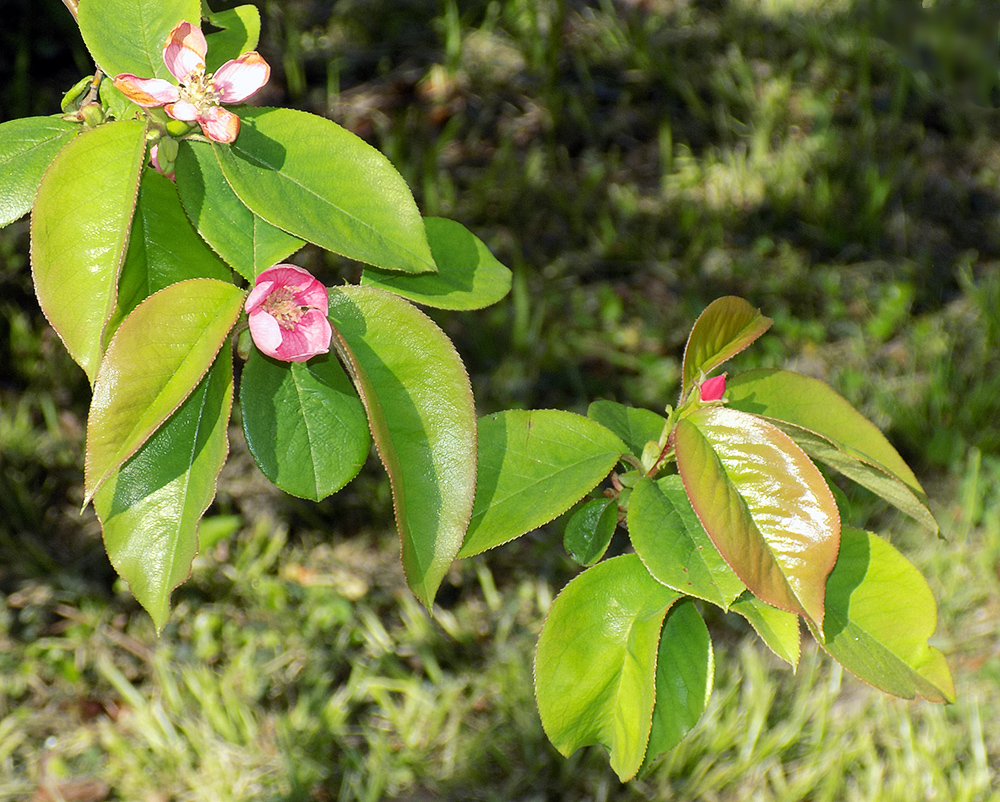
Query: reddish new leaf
point(763, 503)
point(726, 327)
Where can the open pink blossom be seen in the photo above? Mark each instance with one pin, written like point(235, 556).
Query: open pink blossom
point(198, 95)
point(287, 310)
point(713, 389)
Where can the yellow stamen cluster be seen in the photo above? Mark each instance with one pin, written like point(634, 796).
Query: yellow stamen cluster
point(199, 90)
point(281, 306)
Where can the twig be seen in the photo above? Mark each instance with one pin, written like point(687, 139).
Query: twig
point(95, 85)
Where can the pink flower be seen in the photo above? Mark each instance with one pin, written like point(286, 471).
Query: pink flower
point(198, 97)
point(287, 309)
point(713, 389)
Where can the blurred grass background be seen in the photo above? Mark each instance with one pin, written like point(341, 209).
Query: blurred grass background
point(835, 162)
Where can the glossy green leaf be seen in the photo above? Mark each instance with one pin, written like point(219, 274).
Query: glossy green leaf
point(726, 327)
point(685, 670)
point(79, 233)
point(534, 466)
point(763, 503)
point(777, 628)
point(246, 241)
point(149, 508)
point(315, 180)
point(880, 613)
point(633, 425)
point(238, 34)
point(129, 35)
point(589, 532)
point(673, 545)
point(162, 250)
point(595, 666)
point(828, 428)
point(157, 357)
point(420, 407)
point(468, 277)
point(27, 148)
point(304, 424)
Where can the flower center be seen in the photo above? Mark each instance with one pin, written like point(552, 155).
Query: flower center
point(281, 305)
point(199, 90)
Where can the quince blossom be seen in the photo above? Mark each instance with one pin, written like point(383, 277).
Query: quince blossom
point(287, 310)
point(713, 389)
point(198, 95)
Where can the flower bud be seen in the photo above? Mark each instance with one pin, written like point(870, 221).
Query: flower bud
point(92, 114)
point(713, 389)
point(178, 127)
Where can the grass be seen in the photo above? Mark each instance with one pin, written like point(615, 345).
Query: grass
point(630, 161)
point(306, 671)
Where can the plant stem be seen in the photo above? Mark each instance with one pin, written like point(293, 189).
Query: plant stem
point(95, 85)
point(71, 6)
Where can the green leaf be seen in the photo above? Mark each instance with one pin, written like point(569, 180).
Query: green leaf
point(149, 507)
point(534, 466)
point(726, 327)
point(79, 232)
point(673, 545)
point(129, 35)
point(814, 405)
point(240, 30)
point(468, 277)
point(880, 613)
point(883, 484)
point(589, 532)
point(595, 666)
point(162, 250)
point(119, 106)
point(777, 628)
point(247, 242)
point(420, 408)
point(27, 148)
point(633, 425)
point(763, 503)
point(156, 358)
point(828, 428)
point(315, 180)
point(685, 670)
point(74, 97)
point(304, 424)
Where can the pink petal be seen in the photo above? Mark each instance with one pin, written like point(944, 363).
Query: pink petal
point(218, 124)
point(287, 275)
point(309, 338)
point(185, 50)
point(236, 80)
point(182, 110)
point(283, 272)
point(307, 290)
point(317, 329)
point(315, 295)
point(259, 294)
point(146, 92)
point(266, 332)
point(713, 389)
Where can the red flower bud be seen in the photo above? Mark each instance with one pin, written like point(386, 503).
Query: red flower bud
point(713, 389)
